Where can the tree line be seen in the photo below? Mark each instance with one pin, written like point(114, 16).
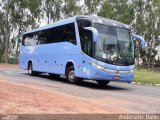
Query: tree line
point(17, 16)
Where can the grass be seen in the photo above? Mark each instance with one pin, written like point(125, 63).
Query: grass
point(145, 77)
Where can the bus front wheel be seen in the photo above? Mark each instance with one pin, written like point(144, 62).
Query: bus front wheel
point(30, 70)
point(70, 75)
point(102, 83)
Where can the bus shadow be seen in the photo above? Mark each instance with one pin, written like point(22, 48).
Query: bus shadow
point(94, 85)
point(87, 84)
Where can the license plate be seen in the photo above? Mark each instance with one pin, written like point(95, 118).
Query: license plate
point(116, 77)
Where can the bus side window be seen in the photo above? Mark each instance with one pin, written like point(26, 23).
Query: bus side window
point(30, 39)
point(87, 42)
point(85, 36)
point(34, 39)
point(27, 40)
point(64, 33)
point(24, 40)
point(69, 33)
point(51, 35)
point(41, 38)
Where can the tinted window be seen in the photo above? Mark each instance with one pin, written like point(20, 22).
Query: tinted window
point(85, 36)
point(30, 39)
point(64, 33)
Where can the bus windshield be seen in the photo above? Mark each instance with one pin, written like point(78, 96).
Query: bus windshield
point(115, 45)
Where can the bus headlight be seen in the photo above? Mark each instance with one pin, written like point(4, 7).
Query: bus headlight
point(98, 66)
point(111, 71)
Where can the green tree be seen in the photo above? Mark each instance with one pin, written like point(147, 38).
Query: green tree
point(91, 6)
point(120, 10)
point(138, 26)
point(152, 29)
point(70, 8)
point(19, 16)
point(7, 27)
point(2, 42)
point(53, 8)
point(147, 24)
point(26, 14)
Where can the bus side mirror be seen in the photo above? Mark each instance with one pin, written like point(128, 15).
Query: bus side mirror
point(141, 39)
point(95, 33)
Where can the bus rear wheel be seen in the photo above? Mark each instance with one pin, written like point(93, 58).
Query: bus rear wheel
point(30, 70)
point(70, 75)
point(102, 83)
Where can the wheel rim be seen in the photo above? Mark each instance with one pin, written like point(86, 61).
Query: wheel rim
point(71, 76)
point(30, 69)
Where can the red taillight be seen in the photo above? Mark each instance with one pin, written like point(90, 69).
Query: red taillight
point(116, 77)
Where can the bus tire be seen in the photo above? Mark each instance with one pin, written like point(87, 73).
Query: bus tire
point(70, 75)
point(30, 70)
point(102, 83)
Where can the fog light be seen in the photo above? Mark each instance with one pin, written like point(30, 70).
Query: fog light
point(132, 71)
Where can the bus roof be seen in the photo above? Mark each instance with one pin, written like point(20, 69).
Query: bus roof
point(94, 19)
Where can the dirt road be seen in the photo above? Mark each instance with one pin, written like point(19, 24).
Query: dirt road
point(21, 93)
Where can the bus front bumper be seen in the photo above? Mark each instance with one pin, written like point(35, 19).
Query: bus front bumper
point(112, 75)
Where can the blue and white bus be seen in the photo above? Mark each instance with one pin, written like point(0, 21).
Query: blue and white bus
point(81, 47)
